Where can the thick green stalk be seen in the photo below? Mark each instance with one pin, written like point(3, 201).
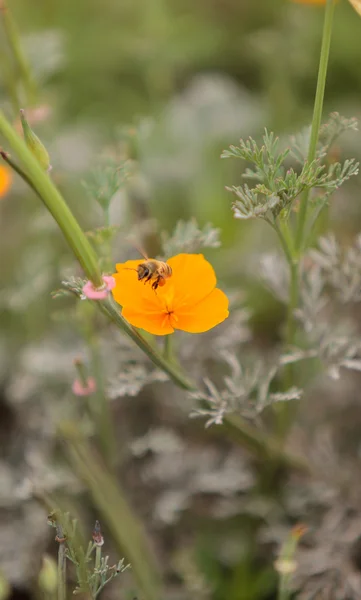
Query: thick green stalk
point(317, 111)
point(54, 203)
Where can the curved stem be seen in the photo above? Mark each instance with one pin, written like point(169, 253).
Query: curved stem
point(54, 202)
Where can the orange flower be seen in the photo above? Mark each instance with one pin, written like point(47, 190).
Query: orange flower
point(5, 180)
point(189, 300)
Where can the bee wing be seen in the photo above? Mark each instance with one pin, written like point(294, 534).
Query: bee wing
point(139, 248)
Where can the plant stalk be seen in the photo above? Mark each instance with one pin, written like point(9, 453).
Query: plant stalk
point(61, 564)
point(21, 62)
point(54, 203)
point(317, 111)
point(98, 556)
point(315, 129)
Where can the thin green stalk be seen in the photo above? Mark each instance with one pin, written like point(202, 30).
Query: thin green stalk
point(101, 409)
point(61, 564)
point(21, 62)
point(317, 111)
point(167, 348)
point(98, 556)
point(284, 243)
point(292, 303)
point(284, 591)
point(111, 309)
point(264, 447)
point(315, 128)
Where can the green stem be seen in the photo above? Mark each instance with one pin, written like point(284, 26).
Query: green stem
point(23, 66)
point(100, 408)
point(264, 447)
point(167, 348)
point(98, 555)
point(292, 303)
point(111, 309)
point(61, 565)
point(317, 111)
point(82, 371)
point(315, 128)
point(54, 203)
point(18, 170)
point(284, 243)
point(283, 588)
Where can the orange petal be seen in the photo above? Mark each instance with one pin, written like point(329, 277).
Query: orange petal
point(208, 313)
point(193, 279)
point(158, 324)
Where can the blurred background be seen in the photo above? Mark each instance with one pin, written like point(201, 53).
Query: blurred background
point(166, 85)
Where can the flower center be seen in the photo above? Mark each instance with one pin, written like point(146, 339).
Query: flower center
point(170, 318)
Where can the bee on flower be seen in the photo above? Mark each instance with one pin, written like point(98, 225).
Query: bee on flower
point(187, 299)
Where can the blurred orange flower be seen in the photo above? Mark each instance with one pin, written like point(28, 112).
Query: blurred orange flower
point(189, 300)
point(5, 180)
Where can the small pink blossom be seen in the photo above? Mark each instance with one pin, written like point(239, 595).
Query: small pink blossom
point(79, 389)
point(93, 293)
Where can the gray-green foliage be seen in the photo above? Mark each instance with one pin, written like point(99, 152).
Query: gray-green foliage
point(90, 577)
point(106, 179)
point(278, 184)
point(246, 390)
point(189, 237)
point(329, 134)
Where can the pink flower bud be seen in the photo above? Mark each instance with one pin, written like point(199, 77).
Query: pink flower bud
point(93, 293)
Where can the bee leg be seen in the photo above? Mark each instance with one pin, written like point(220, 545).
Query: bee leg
point(155, 284)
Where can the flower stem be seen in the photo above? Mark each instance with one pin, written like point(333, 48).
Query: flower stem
point(167, 348)
point(317, 111)
point(54, 203)
point(21, 62)
point(112, 311)
point(98, 556)
point(61, 564)
point(315, 128)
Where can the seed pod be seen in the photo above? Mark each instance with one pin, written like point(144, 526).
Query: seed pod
point(34, 144)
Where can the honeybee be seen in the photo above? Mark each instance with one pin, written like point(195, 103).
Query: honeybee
point(154, 271)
